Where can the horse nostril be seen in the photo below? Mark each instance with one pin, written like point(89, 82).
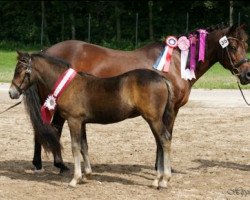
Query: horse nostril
point(10, 95)
point(248, 75)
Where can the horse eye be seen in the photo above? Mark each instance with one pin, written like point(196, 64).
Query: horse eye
point(233, 48)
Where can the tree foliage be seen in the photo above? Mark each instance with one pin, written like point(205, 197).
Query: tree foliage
point(111, 21)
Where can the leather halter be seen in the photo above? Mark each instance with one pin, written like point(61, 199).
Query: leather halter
point(235, 66)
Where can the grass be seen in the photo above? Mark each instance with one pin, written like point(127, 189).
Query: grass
point(7, 65)
point(216, 77)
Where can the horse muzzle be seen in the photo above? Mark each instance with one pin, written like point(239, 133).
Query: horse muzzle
point(245, 78)
point(14, 93)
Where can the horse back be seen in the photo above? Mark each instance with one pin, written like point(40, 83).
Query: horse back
point(104, 62)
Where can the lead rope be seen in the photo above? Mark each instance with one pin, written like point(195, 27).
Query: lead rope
point(11, 107)
point(242, 93)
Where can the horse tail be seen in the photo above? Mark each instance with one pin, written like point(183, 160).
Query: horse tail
point(46, 135)
point(168, 115)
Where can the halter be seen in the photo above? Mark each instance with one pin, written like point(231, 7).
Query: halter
point(27, 74)
point(235, 70)
point(235, 67)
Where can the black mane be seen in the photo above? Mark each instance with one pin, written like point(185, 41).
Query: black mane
point(53, 60)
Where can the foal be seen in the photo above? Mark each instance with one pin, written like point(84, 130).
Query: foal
point(88, 99)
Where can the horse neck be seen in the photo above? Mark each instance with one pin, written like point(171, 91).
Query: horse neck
point(47, 73)
point(213, 53)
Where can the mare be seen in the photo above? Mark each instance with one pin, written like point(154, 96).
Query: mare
point(104, 62)
point(140, 92)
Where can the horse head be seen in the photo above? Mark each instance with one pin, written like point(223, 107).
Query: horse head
point(234, 55)
point(22, 75)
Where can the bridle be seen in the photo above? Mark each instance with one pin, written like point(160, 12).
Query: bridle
point(27, 75)
point(236, 66)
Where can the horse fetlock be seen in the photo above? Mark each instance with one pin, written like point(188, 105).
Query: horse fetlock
point(167, 176)
point(88, 173)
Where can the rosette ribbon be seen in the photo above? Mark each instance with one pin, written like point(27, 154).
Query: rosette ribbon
point(163, 62)
point(48, 108)
point(184, 44)
point(171, 42)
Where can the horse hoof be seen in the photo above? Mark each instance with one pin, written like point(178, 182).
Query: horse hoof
point(88, 175)
point(155, 183)
point(34, 171)
point(73, 183)
point(39, 171)
point(163, 184)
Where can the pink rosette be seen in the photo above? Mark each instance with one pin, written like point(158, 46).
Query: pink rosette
point(183, 43)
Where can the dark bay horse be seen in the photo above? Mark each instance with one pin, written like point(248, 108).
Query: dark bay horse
point(104, 62)
point(88, 99)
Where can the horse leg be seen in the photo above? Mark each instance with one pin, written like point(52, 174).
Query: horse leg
point(170, 127)
point(58, 123)
point(37, 160)
point(163, 142)
point(84, 152)
point(75, 133)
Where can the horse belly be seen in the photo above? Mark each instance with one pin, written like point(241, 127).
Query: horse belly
point(111, 114)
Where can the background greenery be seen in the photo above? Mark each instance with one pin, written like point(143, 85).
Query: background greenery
point(112, 24)
point(216, 77)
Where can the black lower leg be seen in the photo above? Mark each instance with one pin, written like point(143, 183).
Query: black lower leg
point(37, 161)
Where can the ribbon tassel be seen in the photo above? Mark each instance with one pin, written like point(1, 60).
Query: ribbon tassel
point(202, 44)
point(192, 39)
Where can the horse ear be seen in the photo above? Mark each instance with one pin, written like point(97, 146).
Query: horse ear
point(232, 29)
point(23, 55)
point(19, 53)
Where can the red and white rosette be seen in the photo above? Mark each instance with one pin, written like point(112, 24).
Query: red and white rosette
point(183, 45)
point(171, 43)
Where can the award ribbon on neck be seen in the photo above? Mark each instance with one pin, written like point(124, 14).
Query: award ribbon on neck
point(49, 106)
point(163, 62)
point(184, 44)
point(171, 42)
point(192, 39)
point(202, 44)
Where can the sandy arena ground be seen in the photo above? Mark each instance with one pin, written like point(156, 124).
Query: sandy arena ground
point(210, 155)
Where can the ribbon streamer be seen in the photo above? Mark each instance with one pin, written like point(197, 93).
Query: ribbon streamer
point(184, 44)
point(47, 111)
point(159, 64)
point(202, 44)
point(192, 39)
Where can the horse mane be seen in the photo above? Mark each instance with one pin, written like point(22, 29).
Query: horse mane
point(209, 29)
point(51, 59)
